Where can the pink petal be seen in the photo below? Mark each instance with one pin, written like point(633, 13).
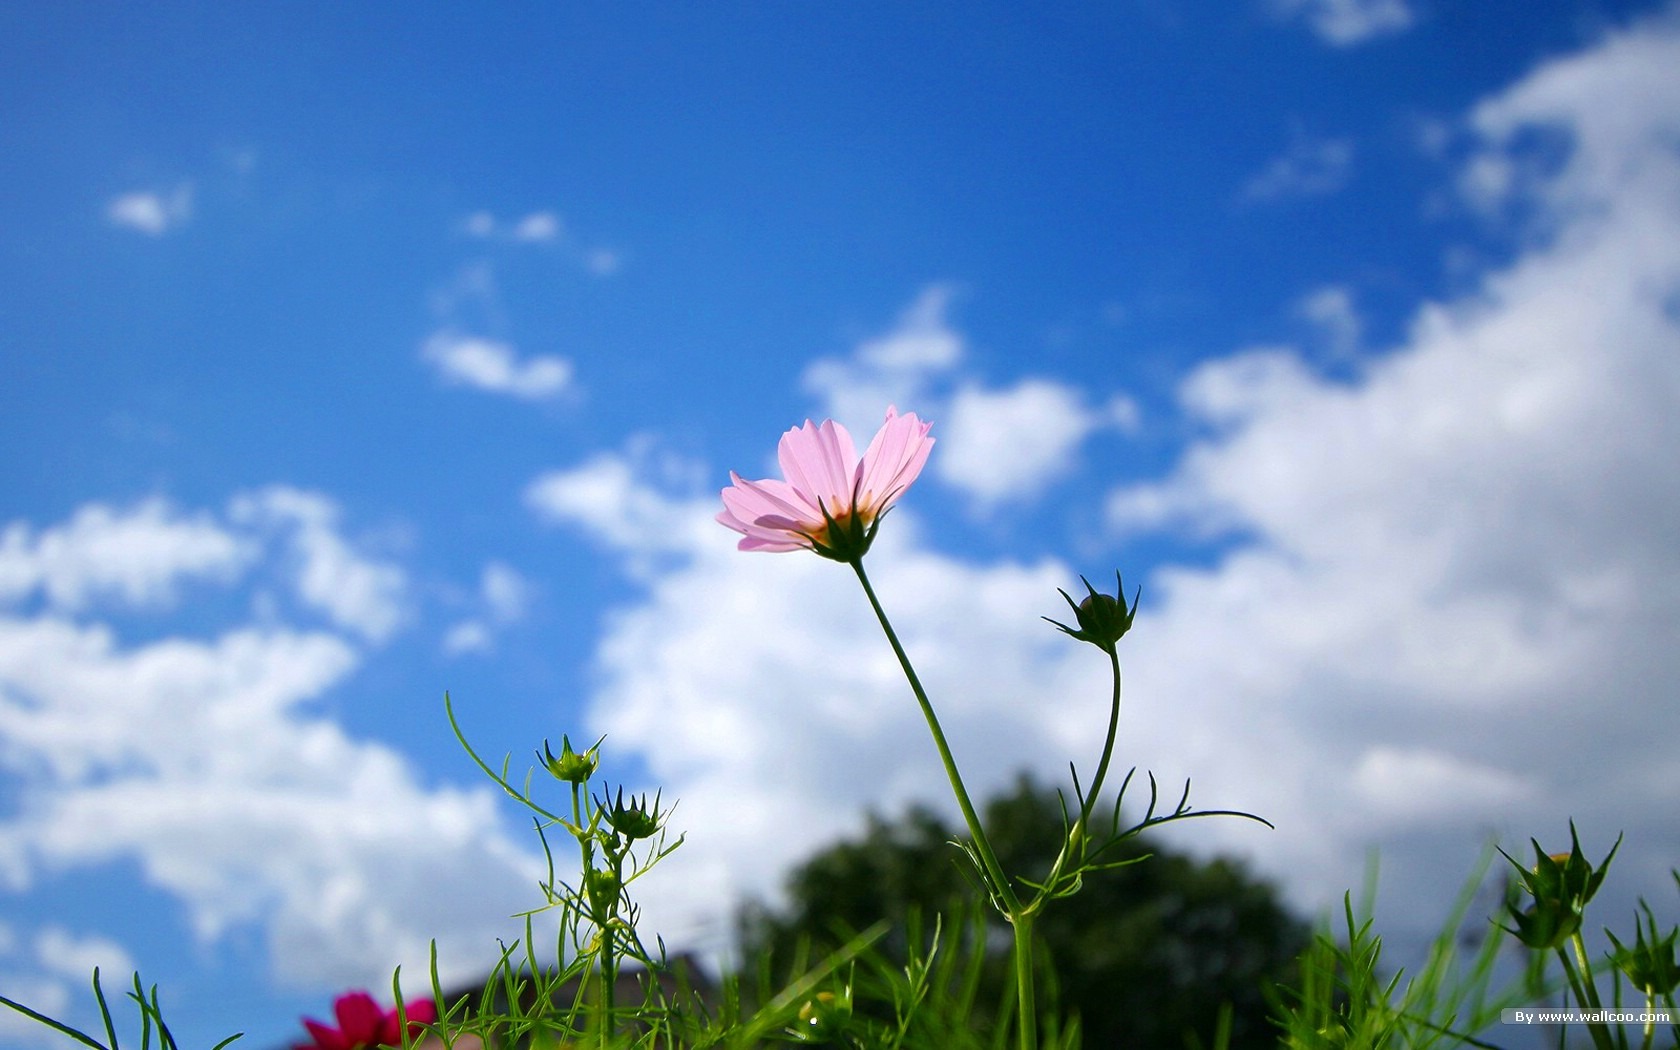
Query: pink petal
point(325, 1038)
point(893, 461)
point(770, 545)
point(359, 1018)
point(752, 501)
point(818, 462)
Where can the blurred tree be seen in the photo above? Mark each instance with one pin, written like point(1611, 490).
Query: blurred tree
point(1145, 955)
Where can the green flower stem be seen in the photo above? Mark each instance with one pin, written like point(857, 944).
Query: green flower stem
point(1080, 836)
point(1586, 995)
point(1108, 743)
point(994, 871)
point(586, 845)
point(607, 931)
point(1025, 998)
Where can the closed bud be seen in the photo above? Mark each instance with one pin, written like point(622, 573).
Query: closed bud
point(635, 819)
point(1103, 618)
point(1560, 885)
point(602, 888)
point(1650, 964)
point(568, 765)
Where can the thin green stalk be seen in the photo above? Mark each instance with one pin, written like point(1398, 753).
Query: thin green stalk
point(993, 869)
point(1081, 829)
point(1018, 917)
point(609, 960)
point(1586, 995)
point(1025, 999)
point(1108, 744)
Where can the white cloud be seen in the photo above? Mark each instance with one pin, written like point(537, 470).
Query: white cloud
point(138, 556)
point(202, 758)
point(1009, 445)
point(539, 226)
point(544, 227)
point(469, 636)
point(1423, 784)
point(1330, 309)
point(69, 955)
point(900, 367)
point(1309, 168)
point(604, 262)
point(486, 364)
point(1459, 591)
point(151, 212)
point(1344, 23)
point(503, 597)
point(997, 445)
point(42, 971)
point(354, 591)
point(1450, 614)
point(506, 592)
point(608, 497)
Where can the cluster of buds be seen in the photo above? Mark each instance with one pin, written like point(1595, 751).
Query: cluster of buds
point(1560, 885)
point(1103, 618)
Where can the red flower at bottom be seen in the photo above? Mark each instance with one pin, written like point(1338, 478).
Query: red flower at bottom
point(362, 1025)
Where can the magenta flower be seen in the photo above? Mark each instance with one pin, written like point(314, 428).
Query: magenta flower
point(363, 1025)
point(832, 501)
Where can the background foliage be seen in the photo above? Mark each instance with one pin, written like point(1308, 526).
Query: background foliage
point(1143, 954)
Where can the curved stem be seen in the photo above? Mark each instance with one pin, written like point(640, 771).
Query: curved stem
point(1079, 837)
point(970, 816)
point(1090, 800)
point(1018, 917)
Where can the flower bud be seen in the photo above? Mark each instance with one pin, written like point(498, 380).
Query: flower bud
point(634, 819)
point(569, 766)
point(1560, 885)
point(1649, 965)
point(1103, 619)
point(602, 887)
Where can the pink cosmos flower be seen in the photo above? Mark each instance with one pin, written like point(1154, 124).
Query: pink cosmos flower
point(831, 501)
point(363, 1025)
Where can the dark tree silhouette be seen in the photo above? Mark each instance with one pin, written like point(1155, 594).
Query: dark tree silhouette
point(1146, 955)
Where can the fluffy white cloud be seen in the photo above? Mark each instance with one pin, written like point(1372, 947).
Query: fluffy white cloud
point(354, 591)
point(1310, 167)
point(151, 212)
point(198, 753)
point(1330, 309)
point(997, 445)
point(1009, 445)
point(503, 596)
point(609, 496)
point(139, 556)
point(1459, 590)
point(899, 367)
point(538, 226)
point(69, 955)
point(1343, 23)
point(487, 364)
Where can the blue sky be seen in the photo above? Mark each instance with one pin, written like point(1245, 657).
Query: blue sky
point(355, 354)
